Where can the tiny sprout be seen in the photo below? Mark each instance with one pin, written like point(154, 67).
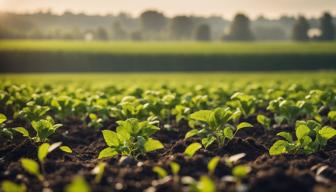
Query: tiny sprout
point(213, 164)
point(78, 184)
point(32, 167)
point(99, 172)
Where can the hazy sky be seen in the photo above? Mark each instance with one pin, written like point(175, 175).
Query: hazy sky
point(226, 8)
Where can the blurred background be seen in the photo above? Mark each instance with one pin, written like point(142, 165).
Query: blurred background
point(161, 35)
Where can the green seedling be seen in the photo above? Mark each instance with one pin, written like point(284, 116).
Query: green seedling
point(43, 128)
point(332, 116)
point(95, 122)
point(98, 171)
point(264, 121)
point(215, 126)
point(33, 112)
point(8, 132)
point(245, 103)
point(132, 137)
point(310, 138)
point(33, 167)
point(174, 168)
point(213, 164)
point(205, 184)
point(78, 184)
point(288, 111)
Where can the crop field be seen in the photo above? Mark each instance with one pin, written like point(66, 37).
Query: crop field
point(80, 56)
point(170, 48)
point(195, 132)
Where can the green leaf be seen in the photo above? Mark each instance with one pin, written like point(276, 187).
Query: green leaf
point(202, 115)
point(191, 149)
point(31, 167)
point(327, 132)
point(301, 131)
point(213, 164)
point(241, 171)
point(9, 186)
point(93, 117)
point(306, 140)
point(244, 125)
point(279, 147)
point(124, 131)
point(43, 151)
point(3, 118)
point(78, 184)
point(111, 138)
point(44, 128)
point(107, 152)
point(206, 185)
point(228, 133)
point(207, 141)
point(332, 115)
point(66, 149)
point(191, 133)
point(152, 145)
point(22, 130)
point(160, 171)
point(286, 136)
point(263, 120)
point(175, 168)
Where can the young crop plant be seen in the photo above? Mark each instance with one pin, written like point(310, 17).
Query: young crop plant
point(215, 126)
point(332, 116)
point(95, 122)
point(33, 167)
point(289, 111)
point(174, 167)
point(238, 172)
point(3, 130)
point(245, 103)
point(205, 184)
point(78, 184)
point(43, 128)
point(310, 138)
point(130, 107)
point(98, 171)
point(264, 121)
point(132, 138)
point(33, 112)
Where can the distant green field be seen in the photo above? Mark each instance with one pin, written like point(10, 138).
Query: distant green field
point(80, 56)
point(101, 79)
point(167, 48)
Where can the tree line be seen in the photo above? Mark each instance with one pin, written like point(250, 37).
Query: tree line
point(154, 25)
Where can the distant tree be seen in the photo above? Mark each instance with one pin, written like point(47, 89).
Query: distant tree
point(181, 27)
point(101, 34)
point(136, 36)
point(300, 29)
point(118, 32)
point(240, 29)
point(152, 21)
point(327, 27)
point(203, 33)
point(269, 33)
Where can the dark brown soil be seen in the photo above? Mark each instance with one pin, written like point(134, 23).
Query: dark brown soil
point(283, 173)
